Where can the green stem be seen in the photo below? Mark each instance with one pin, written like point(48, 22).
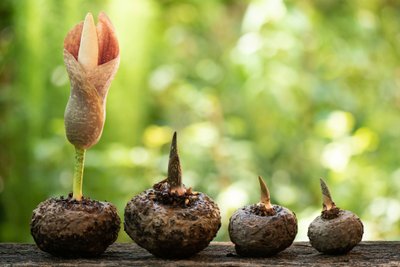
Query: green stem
point(78, 173)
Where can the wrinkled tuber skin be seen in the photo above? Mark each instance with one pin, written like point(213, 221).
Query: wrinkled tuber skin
point(338, 234)
point(70, 228)
point(256, 233)
point(169, 225)
point(85, 111)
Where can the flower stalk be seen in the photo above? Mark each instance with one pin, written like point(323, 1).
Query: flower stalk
point(78, 173)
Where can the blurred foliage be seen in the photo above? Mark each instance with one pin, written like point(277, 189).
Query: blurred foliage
point(290, 90)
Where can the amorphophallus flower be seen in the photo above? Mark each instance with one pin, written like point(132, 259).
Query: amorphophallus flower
point(91, 56)
point(77, 226)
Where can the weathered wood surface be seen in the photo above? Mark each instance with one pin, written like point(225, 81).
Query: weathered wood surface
point(217, 254)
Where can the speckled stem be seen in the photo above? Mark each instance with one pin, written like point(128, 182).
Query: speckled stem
point(174, 178)
point(265, 197)
point(78, 173)
point(328, 203)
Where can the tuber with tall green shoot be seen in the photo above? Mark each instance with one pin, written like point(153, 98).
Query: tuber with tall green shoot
point(76, 226)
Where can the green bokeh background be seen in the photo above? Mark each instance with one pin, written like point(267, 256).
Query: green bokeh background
point(290, 90)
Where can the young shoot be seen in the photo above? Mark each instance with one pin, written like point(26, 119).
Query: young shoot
point(174, 178)
point(328, 203)
point(265, 197)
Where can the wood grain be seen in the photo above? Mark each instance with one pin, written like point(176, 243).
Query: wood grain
point(217, 254)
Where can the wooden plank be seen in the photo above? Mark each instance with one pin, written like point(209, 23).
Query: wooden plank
point(217, 254)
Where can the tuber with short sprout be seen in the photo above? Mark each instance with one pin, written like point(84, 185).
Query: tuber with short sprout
point(170, 220)
point(335, 231)
point(262, 229)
